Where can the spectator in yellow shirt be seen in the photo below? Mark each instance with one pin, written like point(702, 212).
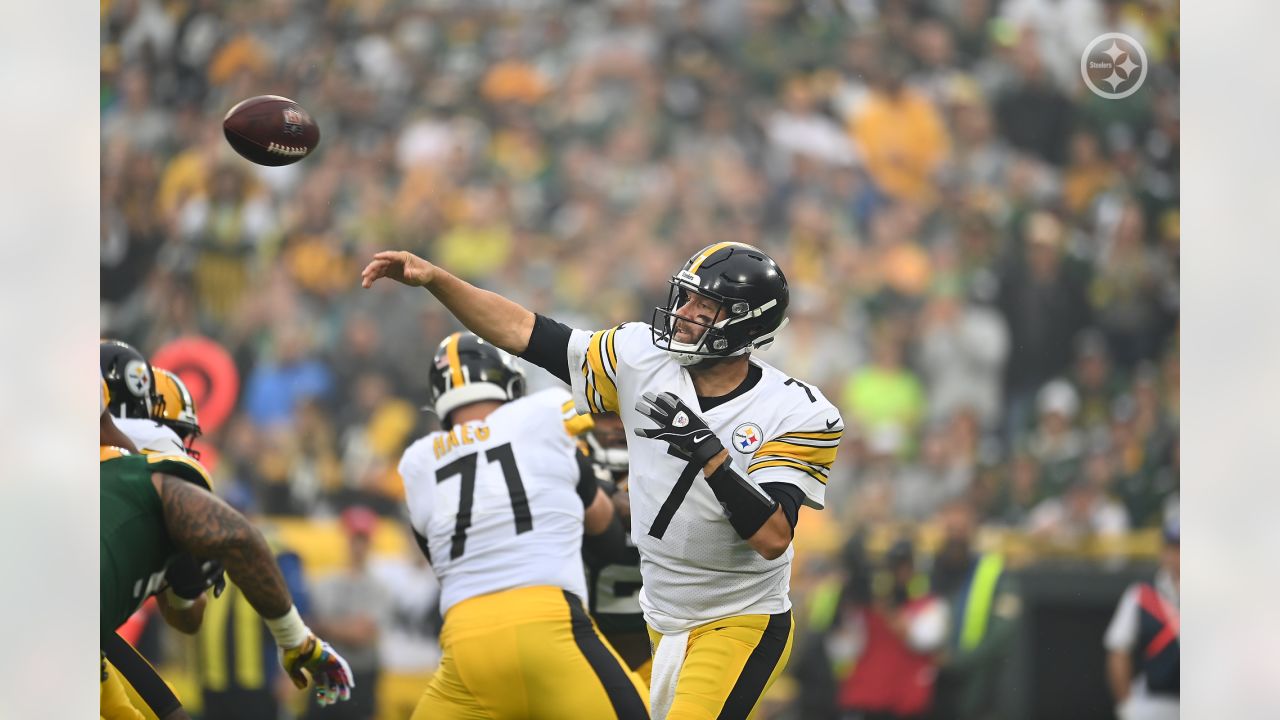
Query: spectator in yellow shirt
point(901, 137)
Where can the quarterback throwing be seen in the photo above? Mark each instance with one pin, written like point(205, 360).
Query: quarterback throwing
point(724, 449)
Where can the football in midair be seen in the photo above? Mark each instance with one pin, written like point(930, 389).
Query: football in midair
point(271, 130)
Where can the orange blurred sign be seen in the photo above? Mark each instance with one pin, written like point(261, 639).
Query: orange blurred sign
point(208, 372)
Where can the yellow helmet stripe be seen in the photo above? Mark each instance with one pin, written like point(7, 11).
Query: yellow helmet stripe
point(708, 253)
point(455, 364)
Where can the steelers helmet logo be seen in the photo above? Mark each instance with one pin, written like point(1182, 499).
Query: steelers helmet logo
point(747, 437)
point(137, 379)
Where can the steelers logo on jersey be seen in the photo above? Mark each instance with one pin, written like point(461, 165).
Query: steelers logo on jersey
point(747, 438)
point(137, 379)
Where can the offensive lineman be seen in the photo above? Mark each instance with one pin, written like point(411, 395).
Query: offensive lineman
point(713, 528)
point(496, 499)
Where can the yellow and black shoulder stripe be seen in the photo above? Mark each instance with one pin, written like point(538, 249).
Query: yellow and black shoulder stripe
point(600, 368)
point(809, 451)
point(180, 466)
point(575, 424)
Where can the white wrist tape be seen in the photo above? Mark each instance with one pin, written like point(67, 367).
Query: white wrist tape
point(289, 630)
point(178, 603)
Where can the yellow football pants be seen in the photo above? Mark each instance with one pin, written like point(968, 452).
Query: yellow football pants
point(129, 677)
point(729, 664)
point(645, 671)
point(398, 693)
point(113, 701)
point(528, 653)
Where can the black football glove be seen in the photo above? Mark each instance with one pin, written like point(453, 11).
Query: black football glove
point(679, 426)
point(189, 577)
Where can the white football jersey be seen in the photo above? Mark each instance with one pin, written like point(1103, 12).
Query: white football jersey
point(150, 436)
point(497, 502)
point(695, 567)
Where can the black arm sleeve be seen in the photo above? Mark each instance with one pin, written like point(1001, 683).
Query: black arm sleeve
point(607, 548)
point(789, 497)
point(549, 347)
point(748, 508)
point(587, 483)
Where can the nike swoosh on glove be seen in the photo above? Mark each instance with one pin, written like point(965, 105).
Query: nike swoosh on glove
point(679, 426)
point(328, 670)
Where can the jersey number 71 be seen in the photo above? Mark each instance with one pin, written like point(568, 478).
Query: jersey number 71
point(466, 467)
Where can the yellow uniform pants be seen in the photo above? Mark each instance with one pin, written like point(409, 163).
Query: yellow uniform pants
point(398, 693)
point(113, 701)
point(528, 653)
point(131, 688)
point(728, 666)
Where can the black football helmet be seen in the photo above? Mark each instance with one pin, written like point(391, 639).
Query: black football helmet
point(751, 293)
point(131, 383)
point(467, 369)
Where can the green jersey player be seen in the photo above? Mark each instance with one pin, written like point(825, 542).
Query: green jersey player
point(156, 507)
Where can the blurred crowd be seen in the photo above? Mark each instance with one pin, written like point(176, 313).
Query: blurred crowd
point(983, 255)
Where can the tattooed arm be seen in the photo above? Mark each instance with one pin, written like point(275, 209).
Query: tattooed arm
point(205, 526)
point(185, 620)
